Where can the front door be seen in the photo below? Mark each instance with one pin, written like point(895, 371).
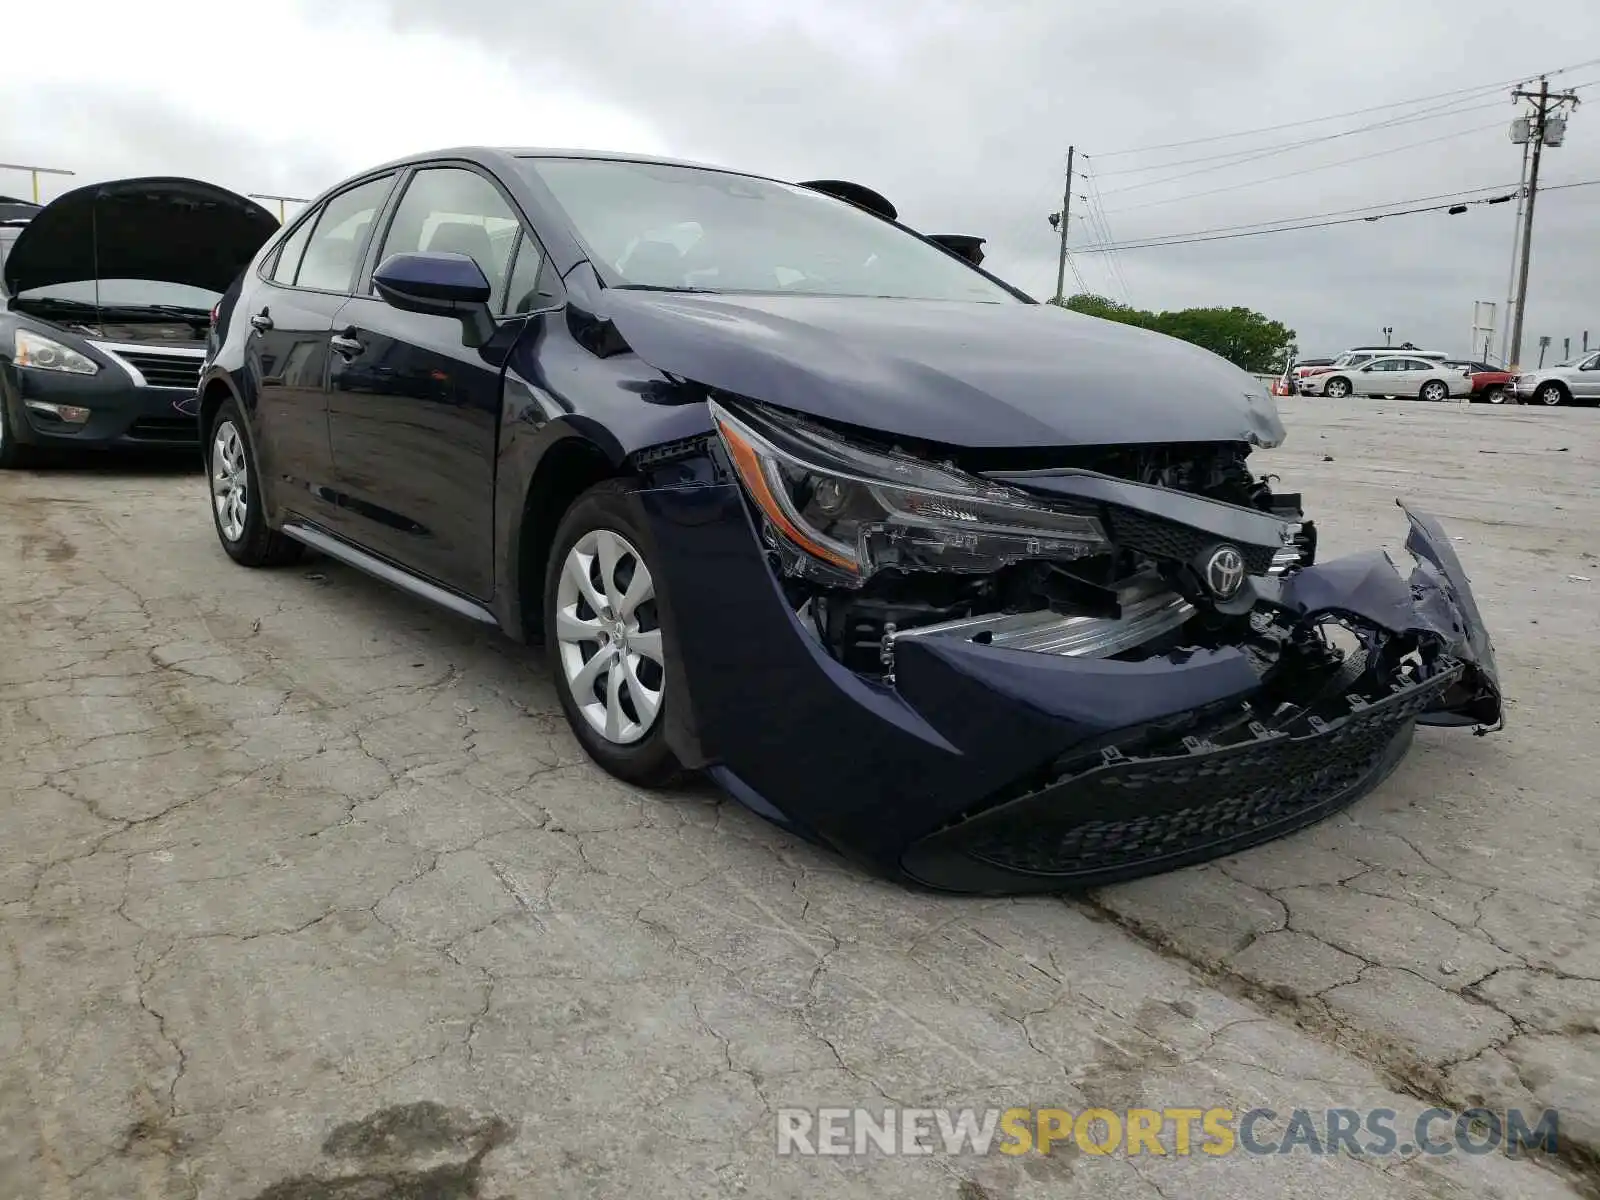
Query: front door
point(413, 414)
point(1585, 381)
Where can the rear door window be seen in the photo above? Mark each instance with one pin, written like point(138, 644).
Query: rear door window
point(344, 227)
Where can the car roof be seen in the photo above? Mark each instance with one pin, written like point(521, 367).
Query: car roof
point(500, 153)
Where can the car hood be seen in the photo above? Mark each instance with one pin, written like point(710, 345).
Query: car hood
point(166, 229)
point(959, 374)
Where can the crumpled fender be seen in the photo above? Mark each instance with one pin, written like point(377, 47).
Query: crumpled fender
point(1437, 599)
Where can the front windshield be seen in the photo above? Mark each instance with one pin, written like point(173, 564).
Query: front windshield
point(1351, 360)
point(128, 293)
point(690, 229)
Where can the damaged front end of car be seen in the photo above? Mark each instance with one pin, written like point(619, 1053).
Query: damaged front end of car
point(1058, 670)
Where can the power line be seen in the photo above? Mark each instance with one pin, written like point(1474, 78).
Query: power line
point(1462, 193)
point(1239, 157)
point(1286, 228)
point(1355, 112)
point(1309, 170)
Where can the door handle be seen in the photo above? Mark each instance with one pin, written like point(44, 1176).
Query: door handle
point(261, 321)
point(345, 345)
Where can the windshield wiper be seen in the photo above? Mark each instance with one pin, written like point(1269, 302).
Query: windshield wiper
point(661, 287)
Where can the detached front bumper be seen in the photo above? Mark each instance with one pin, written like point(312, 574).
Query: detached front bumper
point(987, 769)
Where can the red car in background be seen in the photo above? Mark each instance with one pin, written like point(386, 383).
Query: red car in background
point(1489, 384)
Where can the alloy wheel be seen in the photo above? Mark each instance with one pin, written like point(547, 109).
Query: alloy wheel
point(230, 481)
point(1550, 394)
point(1338, 389)
point(1496, 396)
point(609, 636)
point(1434, 392)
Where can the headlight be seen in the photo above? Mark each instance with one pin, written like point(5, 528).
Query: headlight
point(46, 354)
point(844, 512)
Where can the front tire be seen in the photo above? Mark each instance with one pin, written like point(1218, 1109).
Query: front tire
point(1495, 395)
point(1550, 395)
point(604, 638)
point(1337, 389)
point(13, 454)
point(236, 508)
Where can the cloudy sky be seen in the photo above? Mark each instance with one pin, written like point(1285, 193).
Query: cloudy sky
point(960, 112)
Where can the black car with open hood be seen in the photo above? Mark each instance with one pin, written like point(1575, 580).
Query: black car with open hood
point(108, 295)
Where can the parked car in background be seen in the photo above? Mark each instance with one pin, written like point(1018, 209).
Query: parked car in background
point(108, 296)
point(1399, 375)
point(14, 215)
point(1315, 380)
point(908, 563)
point(1298, 370)
point(1489, 383)
point(1341, 378)
point(1576, 381)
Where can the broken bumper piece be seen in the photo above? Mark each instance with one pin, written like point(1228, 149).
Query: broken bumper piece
point(1011, 762)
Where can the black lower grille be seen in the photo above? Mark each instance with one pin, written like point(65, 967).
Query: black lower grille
point(1129, 815)
point(164, 370)
point(1160, 538)
point(165, 429)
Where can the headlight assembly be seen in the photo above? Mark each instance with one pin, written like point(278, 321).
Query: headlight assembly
point(842, 512)
point(46, 354)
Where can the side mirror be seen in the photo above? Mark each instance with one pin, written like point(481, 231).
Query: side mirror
point(1366, 370)
point(439, 285)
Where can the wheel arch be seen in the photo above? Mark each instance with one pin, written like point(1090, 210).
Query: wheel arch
point(569, 466)
point(1559, 385)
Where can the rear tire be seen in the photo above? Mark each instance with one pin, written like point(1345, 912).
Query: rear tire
point(236, 508)
point(1434, 391)
point(604, 639)
point(1337, 388)
point(1551, 394)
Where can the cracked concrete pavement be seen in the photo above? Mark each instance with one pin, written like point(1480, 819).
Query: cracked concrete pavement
point(306, 891)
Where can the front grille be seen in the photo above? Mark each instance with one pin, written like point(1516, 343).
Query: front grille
point(164, 370)
point(1129, 815)
point(165, 429)
point(1161, 538)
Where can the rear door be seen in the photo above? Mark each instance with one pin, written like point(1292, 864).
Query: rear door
point(290, 318)
point(1411, 373)
point(413, 414)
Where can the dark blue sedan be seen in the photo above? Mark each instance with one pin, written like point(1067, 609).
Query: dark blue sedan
point(803, 499)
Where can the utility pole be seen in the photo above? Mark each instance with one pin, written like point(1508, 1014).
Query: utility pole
point(1388, 332)
point(1540, 129)
point(1516, 242)
point(35, 172)
point(1060, 221)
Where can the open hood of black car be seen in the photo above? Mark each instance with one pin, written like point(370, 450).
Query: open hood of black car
point(167, 229)
point(958, 374)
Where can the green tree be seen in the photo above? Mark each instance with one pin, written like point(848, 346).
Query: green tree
point(1243, 336)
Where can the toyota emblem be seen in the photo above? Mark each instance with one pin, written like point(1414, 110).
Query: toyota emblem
point(1225, 572)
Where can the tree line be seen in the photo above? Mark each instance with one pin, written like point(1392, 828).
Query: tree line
point(1243, 336)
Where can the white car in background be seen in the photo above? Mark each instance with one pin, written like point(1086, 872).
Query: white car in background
point(1404, 375)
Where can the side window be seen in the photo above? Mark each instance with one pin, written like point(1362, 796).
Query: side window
point(450, 209)
point(334, 252)
point(294, 246)
point(532, 284)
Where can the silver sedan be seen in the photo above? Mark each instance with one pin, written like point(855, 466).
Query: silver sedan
point(1576, 381)
point(1396, 375)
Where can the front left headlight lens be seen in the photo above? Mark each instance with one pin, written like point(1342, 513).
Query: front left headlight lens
point(843, 512)
point(46, 354)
